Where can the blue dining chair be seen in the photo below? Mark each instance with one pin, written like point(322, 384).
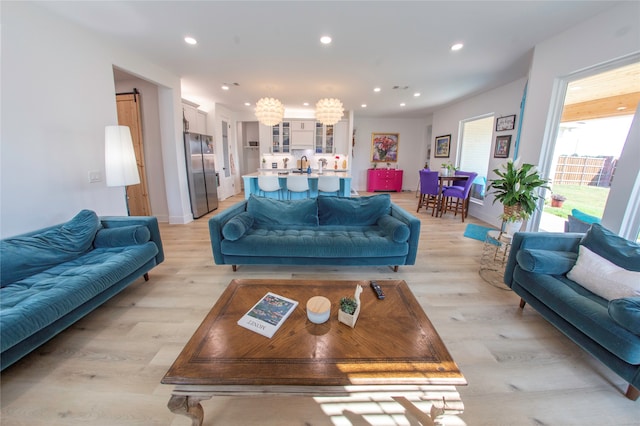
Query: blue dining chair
point(460, 194)
point(429, 190)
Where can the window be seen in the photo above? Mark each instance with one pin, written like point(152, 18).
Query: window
point(475, 151)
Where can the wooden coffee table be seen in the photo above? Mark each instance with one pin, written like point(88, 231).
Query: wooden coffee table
point(393, 344)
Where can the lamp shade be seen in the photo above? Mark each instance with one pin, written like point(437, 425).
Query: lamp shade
point(269, 111)
point(120, 159)
point(329, 111)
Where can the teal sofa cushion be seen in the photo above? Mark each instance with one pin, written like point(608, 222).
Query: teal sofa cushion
point(546, 261)
point(123, 236)
point(237, 226)
point(583, 217)
point(26, 255)
point(615, 249)
point(626, 312)
point(34, 302)
point(394, 228)
point(333, 241)
point(267, 211)
point(353, 211)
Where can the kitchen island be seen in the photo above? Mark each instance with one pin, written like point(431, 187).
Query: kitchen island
point(251, 183)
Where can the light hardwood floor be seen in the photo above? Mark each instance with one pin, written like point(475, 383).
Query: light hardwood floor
point(106, 369)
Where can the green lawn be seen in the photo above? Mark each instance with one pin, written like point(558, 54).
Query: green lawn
point(589, 199)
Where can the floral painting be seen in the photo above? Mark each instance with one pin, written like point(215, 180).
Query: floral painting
point(384, 147)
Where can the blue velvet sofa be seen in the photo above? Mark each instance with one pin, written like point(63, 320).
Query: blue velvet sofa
point(318, 231)
point(608, 329)
point(52, 277)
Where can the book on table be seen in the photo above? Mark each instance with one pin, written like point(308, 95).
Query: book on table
point(266, 316)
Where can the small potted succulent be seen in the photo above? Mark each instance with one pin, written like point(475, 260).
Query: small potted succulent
point(350, 308)
point(557, 200)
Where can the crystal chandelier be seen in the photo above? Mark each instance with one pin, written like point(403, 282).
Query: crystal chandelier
point(269, 111)
point(329, 111)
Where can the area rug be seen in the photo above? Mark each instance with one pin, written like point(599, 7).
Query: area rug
point(477, 232)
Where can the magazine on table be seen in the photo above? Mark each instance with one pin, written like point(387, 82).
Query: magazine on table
point(266, 316)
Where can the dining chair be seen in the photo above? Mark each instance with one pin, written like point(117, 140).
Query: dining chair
point(297, 184)
point(329, 184)
point(429, 190)
point(460, 194)
point(269, 184)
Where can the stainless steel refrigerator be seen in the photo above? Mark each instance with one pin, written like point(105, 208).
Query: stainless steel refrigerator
point(201, 173)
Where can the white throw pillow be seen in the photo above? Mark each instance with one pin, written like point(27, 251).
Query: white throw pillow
point(602, 277)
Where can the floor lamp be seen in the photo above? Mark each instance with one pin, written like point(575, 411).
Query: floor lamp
point(120, 160)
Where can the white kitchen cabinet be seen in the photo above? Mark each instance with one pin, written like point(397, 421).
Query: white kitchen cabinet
point(281, 137)
point(324, 141)
point(195, 121)
point(302, 134)
point(341, 138)
point(201, 122)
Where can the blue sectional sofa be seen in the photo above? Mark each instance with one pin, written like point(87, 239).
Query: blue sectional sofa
point(608, 327)
point(52, 277)
point(320, 231)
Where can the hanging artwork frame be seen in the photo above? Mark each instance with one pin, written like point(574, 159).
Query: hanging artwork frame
point(443, 146)
point(506, 123)
point(503, 144)
point(384, 147)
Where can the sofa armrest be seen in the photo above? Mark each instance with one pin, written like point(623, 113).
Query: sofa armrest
point(554, 241)
point(217, 222)
point(414, 230)
point(151, 222)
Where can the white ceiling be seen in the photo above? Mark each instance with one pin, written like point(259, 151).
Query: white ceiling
point(273, 49)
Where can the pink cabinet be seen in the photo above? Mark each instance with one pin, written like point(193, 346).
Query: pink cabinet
point(384, 180)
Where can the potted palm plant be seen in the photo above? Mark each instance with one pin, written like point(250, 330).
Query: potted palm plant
point(517, 188)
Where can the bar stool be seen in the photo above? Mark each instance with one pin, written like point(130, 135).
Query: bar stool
point(269, 184)
point(297, 184)
point(329, 184)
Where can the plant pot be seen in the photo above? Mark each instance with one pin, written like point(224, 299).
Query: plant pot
point(348, 319)
point(511, 228)
point(444, 171)
point(556, 203)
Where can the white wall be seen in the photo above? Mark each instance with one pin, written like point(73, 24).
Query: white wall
point(412, 148)
point(502, 101)
point(152, 143)
point(607, 37)
point(57, 97)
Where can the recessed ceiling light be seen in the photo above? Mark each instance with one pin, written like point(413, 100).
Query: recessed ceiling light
point(225, 87)
point(247, 104)
point(190, 40)
point(402, 104)
point(376, 89)
point(305, 103)
point(457, 46)
point(325, 40)
point(621, 108)
point(415, 95)
point(363, 105)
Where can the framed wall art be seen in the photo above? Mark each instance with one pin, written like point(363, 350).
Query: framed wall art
point(503, 143)
point(506, 123)
point(443, 145)
point(384, 147)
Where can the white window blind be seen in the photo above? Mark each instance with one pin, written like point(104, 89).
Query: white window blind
point(476, 151)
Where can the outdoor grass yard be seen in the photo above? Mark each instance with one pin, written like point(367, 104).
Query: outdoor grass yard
point(589, 199)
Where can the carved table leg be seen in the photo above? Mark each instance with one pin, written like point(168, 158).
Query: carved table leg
point(188, 406)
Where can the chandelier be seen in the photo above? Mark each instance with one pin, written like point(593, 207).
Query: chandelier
point(329, 111)
point(269, 111)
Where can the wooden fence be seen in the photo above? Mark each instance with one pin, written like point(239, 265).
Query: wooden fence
point(591, 171)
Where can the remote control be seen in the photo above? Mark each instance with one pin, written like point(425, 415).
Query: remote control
point(376, 288)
